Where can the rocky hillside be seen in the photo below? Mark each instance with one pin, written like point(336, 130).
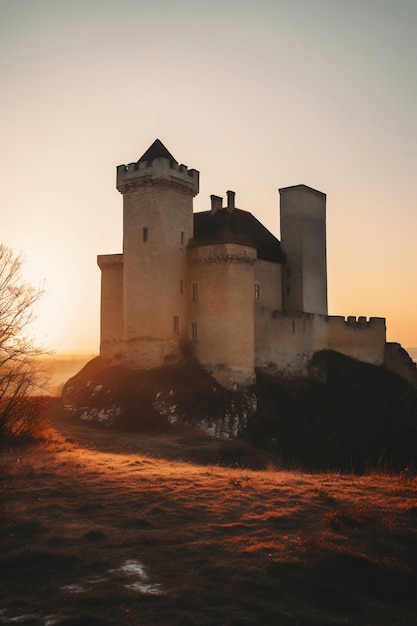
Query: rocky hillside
point(345, 415)
point(154, 400)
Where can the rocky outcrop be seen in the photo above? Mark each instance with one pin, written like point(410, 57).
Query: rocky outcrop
point(398, 360)
point(117, 396)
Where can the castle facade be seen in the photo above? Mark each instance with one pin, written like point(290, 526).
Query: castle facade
point(217, 284)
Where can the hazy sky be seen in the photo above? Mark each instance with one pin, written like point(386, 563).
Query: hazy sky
point(255, 94)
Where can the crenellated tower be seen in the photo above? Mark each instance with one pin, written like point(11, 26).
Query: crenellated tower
point(157, 225)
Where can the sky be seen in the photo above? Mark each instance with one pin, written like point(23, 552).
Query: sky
point(255, 94)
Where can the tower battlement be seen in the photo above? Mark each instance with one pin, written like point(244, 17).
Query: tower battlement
point(154, 171)
point(363, 322)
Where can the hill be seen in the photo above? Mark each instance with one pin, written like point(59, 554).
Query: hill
point(344, 415)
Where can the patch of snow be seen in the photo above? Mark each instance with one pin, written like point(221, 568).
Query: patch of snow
point(144, 588)
point(101, 415)
point(134, 567)
point(97, 580)
point(17, 619)
point(75, 588)
point(47, 620)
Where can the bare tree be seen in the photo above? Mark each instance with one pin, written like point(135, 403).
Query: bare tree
point(21, 375)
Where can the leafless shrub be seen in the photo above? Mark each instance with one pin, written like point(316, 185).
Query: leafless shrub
point(21, 375)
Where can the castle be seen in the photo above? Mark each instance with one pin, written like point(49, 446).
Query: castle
point(217, 284)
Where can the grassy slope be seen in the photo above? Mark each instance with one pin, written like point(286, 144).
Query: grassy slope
point(95, 531)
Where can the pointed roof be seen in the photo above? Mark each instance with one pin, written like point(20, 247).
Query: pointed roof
point(157, 150)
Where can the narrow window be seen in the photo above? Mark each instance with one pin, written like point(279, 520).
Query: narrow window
point(194, 294)
point(194, 332)
point(288, 289)
point(145, 234)
point(182, 237)
point(257, 291)
point(176, 324)
point(181, 286)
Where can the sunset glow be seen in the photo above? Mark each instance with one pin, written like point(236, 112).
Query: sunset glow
point(254, 95)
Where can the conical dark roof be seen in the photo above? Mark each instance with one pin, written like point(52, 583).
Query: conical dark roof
point(157, 150)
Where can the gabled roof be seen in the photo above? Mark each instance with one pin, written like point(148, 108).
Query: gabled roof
point(157, 150)
point(236, 227)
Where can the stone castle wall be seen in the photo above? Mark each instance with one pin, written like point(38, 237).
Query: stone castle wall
point(289, 341)
point(267, 297)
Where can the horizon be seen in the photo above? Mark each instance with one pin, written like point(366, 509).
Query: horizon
point(81, 355)
point(61, 374)
point(266, 95)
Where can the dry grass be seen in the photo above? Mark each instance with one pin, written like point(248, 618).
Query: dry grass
point(104, 528)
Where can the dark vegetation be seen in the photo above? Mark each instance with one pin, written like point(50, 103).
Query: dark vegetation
point(345, 415)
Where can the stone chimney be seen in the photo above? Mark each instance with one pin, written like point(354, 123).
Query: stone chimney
point(216, 204)
point(230, 201)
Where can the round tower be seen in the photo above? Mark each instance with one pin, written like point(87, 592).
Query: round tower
point(222, 309)
point(157, 225)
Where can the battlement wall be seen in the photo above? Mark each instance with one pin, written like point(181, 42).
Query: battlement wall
point(355, 322)
point(289, 341)
point(360, 338)
point(160, 169)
